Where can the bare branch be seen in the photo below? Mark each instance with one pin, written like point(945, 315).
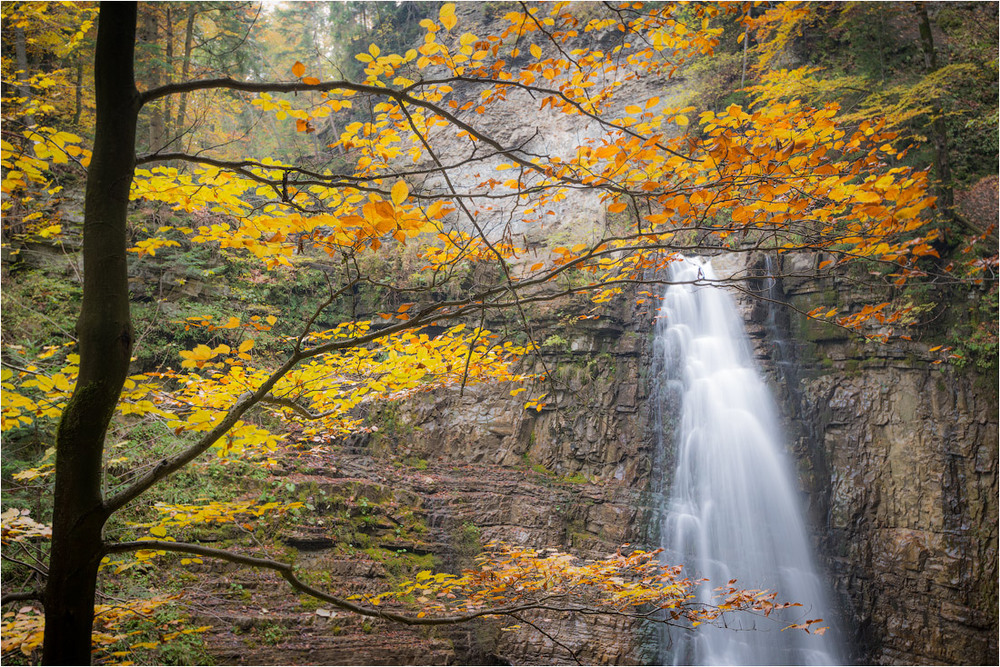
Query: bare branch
point(38, 570)
point(555, 641)
point(21, 596)
point(298, 407)
point(399, 96)
point(287, 572)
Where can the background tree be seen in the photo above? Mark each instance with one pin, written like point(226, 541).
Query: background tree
point(421, 173)
point(929, 69)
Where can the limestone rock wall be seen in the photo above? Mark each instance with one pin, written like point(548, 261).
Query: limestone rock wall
point(581, 465)
point(594, 421)
point(898, 466)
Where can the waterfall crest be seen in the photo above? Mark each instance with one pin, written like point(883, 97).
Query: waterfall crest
point(732, 510)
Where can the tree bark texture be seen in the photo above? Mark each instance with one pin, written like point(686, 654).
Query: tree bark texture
point(104, 331)
point(939, 132)
point(150, 72)
point(168, 108)
point(186, 64)
point(23, 89)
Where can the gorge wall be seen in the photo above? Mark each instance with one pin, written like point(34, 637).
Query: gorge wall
point(897, 459)
point(898, 466)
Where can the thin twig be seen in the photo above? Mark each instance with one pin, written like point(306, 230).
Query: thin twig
point(555, 641)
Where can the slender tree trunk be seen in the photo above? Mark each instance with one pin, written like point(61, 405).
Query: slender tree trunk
point(78, 113)
point(186, 64)
point(23, 89)
point(104, 331)
point(746, 40)
point(939, 132)
point(168, 109)
point(151, 78)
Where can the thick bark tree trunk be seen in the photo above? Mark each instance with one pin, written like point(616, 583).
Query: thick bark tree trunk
point(104, 331)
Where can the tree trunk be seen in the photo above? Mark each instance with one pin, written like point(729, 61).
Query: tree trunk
point(168, 109)
point(23, 89)
point(104, 331)
point(939, 132)
point(151, 78)
point(186, 64)
point(78, 88)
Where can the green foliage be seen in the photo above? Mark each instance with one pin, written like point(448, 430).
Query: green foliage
point(467, 544)
point(415, 462)
point(976, 340)
point(391, 427)
point(536, 467)
point(272, 634)
point(182, 649)
point(864, 38)
point(39, 309)
point(558, 342)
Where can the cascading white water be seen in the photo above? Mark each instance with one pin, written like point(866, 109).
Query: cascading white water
point(732, 511)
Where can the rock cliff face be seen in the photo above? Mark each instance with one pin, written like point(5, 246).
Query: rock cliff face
point(446, 474)
point(898, 466)
point(583, 460)
point(897, 462)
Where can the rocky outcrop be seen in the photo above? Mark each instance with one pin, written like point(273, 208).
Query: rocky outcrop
point(374, 524)
point(584, 460)
point(593, 423)
point(898, 466)
point(913, 511)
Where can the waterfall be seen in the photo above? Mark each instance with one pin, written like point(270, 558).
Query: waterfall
point(729, 503)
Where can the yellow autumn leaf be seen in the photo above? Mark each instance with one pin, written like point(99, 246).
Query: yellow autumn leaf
point(447, 15)
point(399, 192)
